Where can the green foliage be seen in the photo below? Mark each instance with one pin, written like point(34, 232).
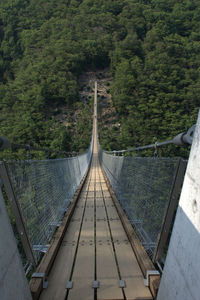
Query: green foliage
point(155, 65)
point(152, 48)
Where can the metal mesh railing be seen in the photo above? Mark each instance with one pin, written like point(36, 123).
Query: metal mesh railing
point(143, 187)
point(44, 190)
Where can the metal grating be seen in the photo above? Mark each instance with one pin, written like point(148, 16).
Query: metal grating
point(44, 190)
point(143, 187)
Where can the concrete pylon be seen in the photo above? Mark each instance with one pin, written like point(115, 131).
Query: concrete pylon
point(13, 283)
point(181, 275)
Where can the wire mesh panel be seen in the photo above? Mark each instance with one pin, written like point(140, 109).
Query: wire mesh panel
point(84, 159)
point(44, 190)
point(143, 187)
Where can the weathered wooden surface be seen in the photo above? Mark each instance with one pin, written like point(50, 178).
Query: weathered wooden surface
point(142, 258)
point(48, 259)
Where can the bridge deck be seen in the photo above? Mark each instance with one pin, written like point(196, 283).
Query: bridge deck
point(95, 249)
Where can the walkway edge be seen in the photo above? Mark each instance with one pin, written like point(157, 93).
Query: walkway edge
point(46, 263)
point(142, 257)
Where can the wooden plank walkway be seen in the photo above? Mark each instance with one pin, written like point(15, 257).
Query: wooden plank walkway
point(95, 254)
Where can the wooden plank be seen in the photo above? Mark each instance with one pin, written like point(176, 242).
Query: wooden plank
point(106, 266)
point(83, 274)
point(140, 253)
point(113, 214)
point(104, 186)
point(154, 282)
point(128, 265)
point(61, 269)
point(49, 257)
point(90, 195)
point(99, 194)
point(98, 188)
point(106, 193)
point(130, 299)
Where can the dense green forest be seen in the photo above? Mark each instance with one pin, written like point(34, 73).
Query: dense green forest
point(152, 48)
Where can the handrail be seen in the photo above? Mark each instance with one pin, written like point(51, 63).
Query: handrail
point(184, 138)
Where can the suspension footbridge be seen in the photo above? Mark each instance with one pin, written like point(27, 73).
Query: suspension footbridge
point(95, 259)
point(112, 214)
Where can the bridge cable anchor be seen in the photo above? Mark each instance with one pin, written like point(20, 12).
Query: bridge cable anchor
point(156, 149)
point(43, 276)
point(122, 283)
point(69, 284)
point(149, 273)
point(95, 284)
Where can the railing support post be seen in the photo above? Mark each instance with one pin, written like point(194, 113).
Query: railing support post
point(16, 210)
point(170, 210)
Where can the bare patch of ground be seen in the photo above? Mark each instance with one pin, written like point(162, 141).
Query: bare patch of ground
point(106, 112)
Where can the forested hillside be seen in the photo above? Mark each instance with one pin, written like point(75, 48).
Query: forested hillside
point(151, 46)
